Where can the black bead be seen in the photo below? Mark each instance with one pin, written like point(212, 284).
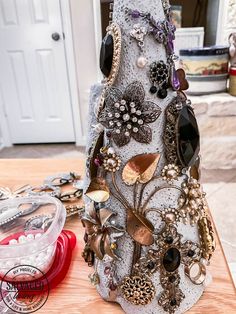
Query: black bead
point(151, 265)
point(173, 302)
point(169, 240)
point(171, 260)
point(106, 55)
point(191, 253)
point(162, 93)
point(188, 138)
point(153, 89)
point(172, 279)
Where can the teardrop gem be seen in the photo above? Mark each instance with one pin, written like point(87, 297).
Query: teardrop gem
point(106, 55)
point(175, 79)
point(188, 138)
point(171, 260)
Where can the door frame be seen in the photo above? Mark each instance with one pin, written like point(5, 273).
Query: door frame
point(80, 139)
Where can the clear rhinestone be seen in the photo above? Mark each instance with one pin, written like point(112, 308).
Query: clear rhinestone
point(133, 110)
point(127, 133)
point(117, 105)
point(117, 131)
point(126, 117)
point(129, 126)
point(118, 123)
point(111, 123)
point(135, 130)
point(123, 102)
point(117, 115)
point(134, 119)
point(140, 121)
point(110, 115)
point(122, 108)
point(132, 104)
point(138, 112)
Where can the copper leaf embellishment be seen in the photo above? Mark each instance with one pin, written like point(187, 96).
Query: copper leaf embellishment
point(98, 190)
point(140, 168)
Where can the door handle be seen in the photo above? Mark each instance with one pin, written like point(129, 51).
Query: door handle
point(56, 36)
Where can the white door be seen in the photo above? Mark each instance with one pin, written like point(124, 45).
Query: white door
point(34, 84)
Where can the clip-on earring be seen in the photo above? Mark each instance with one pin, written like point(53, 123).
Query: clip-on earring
point(159, 77)
point(138, 33)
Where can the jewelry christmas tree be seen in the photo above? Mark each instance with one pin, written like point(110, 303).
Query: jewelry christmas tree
point(147, 232)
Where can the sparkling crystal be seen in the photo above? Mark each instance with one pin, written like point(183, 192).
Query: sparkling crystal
point(175, 79)
point(135, 130)
point(106, 55)
point(126, 117)
point(117, 105)
point(117, 131)
point(129, 126)
point(134, 119)
point(171, 259)
point(117, 115)
point(138, 112)
point(140, 121)
point(132, 104)
point(188, 138)
point(122, 108)
point(123, 102)
point(133, 110)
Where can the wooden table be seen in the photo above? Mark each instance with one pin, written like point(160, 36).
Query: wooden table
point(75, 294)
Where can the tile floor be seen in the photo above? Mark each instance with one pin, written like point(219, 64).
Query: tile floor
point(220, 186)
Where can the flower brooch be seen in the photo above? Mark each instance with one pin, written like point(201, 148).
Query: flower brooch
point(128, 115)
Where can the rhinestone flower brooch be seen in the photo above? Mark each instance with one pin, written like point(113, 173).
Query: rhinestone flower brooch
point(127, 115)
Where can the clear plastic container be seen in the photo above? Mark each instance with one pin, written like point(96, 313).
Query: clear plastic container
point(29, 230)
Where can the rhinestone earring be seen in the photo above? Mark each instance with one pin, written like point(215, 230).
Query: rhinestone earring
point(138, 33)
point(159, 77)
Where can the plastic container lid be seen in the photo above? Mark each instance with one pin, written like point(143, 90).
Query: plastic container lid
point(41, 215)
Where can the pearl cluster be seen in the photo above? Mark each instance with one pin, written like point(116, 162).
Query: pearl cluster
point(128, 116)
point(196, 203)
point(111, 161)
point(42, 260)
point(170, 172)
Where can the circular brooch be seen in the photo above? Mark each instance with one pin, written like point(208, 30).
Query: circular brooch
point(137, 290)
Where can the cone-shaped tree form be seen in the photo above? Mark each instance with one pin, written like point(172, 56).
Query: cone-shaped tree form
point(148, 235)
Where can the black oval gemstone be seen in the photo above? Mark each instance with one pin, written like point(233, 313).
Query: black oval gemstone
point(162, 93)
point(188, 138)
point(106, 55)
point(171, 259)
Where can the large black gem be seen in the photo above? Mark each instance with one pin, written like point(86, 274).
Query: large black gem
point(171, 259)
point(188, 139)
point(106, 55)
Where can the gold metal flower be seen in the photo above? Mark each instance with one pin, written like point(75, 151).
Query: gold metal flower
point(98, 227)
point(170, 173)
point(137, 290)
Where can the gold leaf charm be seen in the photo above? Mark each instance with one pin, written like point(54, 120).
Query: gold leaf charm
point(98, 190)
point(140, 168)
point(140, 228)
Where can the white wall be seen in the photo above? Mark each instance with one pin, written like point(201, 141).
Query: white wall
point(82, 14)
